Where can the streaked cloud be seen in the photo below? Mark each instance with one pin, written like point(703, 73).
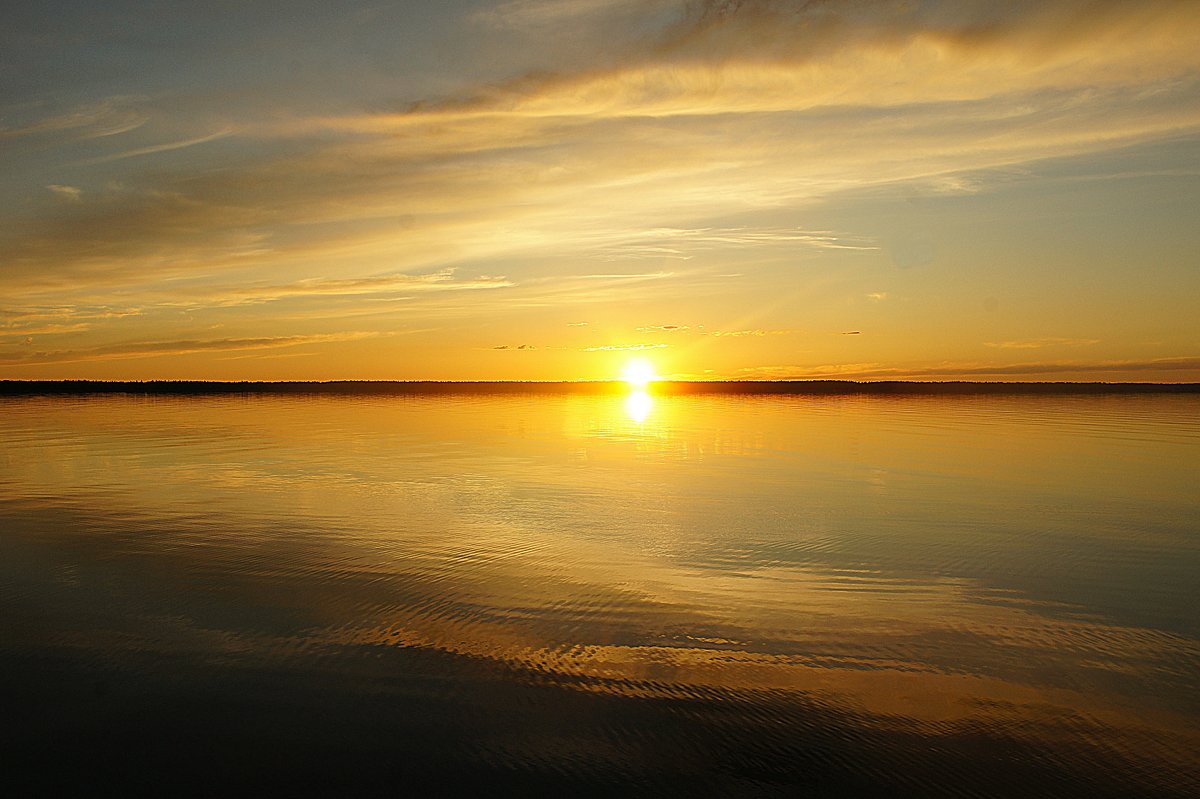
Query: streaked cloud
point(625, 347)
point(159, 148)
point(1039, 343)
point(541, 13)
point(686, 243)
point(378, 285)
point(756, 332)
point(142, 349)
point(10, 317)
point(106, 117)
point(43, 330)
point(868, 371)
point(66, 192)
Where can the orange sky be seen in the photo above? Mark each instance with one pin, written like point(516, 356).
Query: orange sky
point(543, 189)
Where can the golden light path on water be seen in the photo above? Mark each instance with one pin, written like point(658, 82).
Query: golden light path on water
point(638, 406)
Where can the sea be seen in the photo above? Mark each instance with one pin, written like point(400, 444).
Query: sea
point(610, 595)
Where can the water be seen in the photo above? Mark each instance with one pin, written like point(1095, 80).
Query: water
point(786, 596)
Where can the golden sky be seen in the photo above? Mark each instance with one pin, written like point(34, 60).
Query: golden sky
point(543, 189)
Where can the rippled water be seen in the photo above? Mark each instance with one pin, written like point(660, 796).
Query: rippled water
point(699, 595)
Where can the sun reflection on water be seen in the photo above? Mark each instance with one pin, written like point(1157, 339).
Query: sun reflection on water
point(638, 406)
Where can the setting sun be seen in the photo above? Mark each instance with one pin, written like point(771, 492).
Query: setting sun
point(639, 373)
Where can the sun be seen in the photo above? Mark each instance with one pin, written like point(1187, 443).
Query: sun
point(639, 373)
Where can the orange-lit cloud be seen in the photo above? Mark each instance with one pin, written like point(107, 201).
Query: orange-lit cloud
point(1048, 370)
point(164, 348)
point(625, 347)
point(1039, 343)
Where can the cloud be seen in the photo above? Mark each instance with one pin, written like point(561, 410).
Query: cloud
point(377, 285)
point(877, 296)
point(738, 106)
point(1038, 343)
point(66, 192)
point(43, 330)
point(555, 290)
point(756, 332)
point(623, 276)
point(107, 117)
point(143, 349)
point(662, 329)
point(682, 243)
point(158, 148)
point(686, 127)
point(57, 319)
point(770, 56)
point(856, 371)
point(624, 347)
point(541, 13)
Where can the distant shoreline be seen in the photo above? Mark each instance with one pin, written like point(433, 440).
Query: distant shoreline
point(18, 388)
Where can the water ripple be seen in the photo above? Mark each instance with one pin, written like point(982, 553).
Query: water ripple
point(931, 596)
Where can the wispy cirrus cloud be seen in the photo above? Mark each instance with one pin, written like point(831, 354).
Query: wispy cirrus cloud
point(37, 314)
point(51, 320)
point(1039, 343)
point(72, 193)
point(538, 14)
point(373, 286)
point(143, 349)
point(755, 332)
point(106, 117)
point(917, 90)
point(158, 148)
point(43, 330)
point(624, 347)
point(684, 244)
point(967, 370)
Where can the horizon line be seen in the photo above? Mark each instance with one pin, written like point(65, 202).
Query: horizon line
point(19, 387)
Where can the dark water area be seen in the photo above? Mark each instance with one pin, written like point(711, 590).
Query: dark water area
point(649, 595)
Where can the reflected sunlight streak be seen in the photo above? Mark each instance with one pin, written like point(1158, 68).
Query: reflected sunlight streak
point(638, 406)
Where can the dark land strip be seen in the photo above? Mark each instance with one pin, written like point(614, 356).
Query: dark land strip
point(19, 388)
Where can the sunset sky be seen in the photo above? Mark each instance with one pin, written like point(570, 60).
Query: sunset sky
point(545, 189)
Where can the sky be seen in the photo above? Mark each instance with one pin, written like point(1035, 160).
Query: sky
point(545, 189)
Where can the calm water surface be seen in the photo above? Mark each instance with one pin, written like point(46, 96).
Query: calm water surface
point(698, 595)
